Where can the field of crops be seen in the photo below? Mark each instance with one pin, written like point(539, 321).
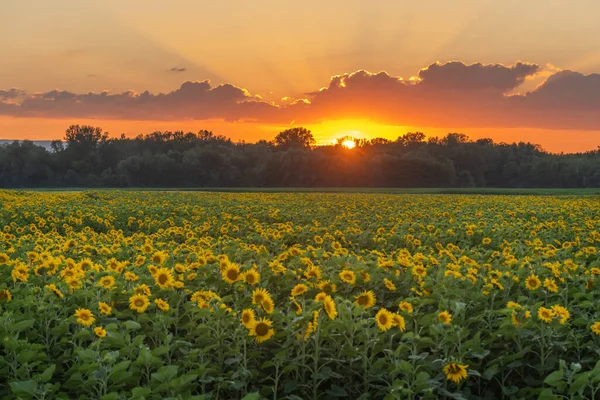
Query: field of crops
point(133, 295)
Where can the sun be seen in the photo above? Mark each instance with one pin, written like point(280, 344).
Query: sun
point(349, 143)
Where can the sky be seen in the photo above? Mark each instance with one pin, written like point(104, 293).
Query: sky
point(509, 70)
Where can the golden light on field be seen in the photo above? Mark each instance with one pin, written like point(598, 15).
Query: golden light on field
point(349, 143)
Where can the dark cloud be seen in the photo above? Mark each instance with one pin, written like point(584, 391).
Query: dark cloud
point(456, 75)
point(175, 69)
point(11, 94)
point(193, 100)
point(442, 95)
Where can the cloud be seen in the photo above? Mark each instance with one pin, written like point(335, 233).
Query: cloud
point(11, 94)
point(458, 76)
point(175, 69)
point(448, 95)
point(193, 100)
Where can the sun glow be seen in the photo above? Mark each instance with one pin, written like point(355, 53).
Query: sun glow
point(349, 143)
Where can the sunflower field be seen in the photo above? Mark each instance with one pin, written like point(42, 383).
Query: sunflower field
point(156, 295)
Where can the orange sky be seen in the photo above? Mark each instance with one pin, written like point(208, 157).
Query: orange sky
point(276, 50)
point(325, 133)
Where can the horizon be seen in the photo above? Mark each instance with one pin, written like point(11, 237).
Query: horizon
point(508, 71)
point(341, 140)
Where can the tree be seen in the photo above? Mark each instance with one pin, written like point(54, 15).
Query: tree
point(411, 139)
point(295, 138)
point(85, 135)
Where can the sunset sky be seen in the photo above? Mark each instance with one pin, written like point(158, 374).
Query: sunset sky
point(511, 70)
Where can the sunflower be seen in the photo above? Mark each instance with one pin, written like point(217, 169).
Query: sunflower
point(366, 299)
point(262, 330)
point(139, 302)
point(163, 277)
point(398, 320)
point(107, 282)
point(131, 277)
point(561, 312)
point(406, 307)
point(147, 248)
point(100, 331)
point(486, 241)
point(231, 273)
point(299, 289)
point(162, 305)
point(595, 328)
point(348, 276)
point(297, 307)
point(268, 305)
point(532, 282)
point(313, 272)
point(385, 319)
point(455, 372)
point(445, 317)
point(550, 285)
point(389, 284)
point(248, 318)
point(53, 289)
point(5, 295)
point(4, 258)
point(251, 277)
point(104, 308)
point(321, 296)
point(84, 317)
point(329, 306)
point(159, 257)
point(327, 287)
point(142, 289)
point(258, 295)
point(419, 271)
point(366, 277)
point(140, 260)
point(512, 304)
point(545, 314)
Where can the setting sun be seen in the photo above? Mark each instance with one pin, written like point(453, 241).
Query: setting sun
point(349, 143)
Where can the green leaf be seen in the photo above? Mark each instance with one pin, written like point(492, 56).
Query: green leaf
point(579, 383)
point(554, 378)
point(132, 325)
point(489, 373)
point(47, 374)
point(140, 392)
point(337, 391)
point(252, 396)
point(24, 388)
point(546, 394)
point(120, 367)
point(405, 366)
point(21, 326)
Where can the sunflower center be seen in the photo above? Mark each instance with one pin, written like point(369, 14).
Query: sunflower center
point(162, 279)
point(383, 319)
point(232, 274)
point(261, 329)
point(363, 300)
point(454, 369)
point(138, 302)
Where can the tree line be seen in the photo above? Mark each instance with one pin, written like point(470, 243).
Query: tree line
point(88, 157)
